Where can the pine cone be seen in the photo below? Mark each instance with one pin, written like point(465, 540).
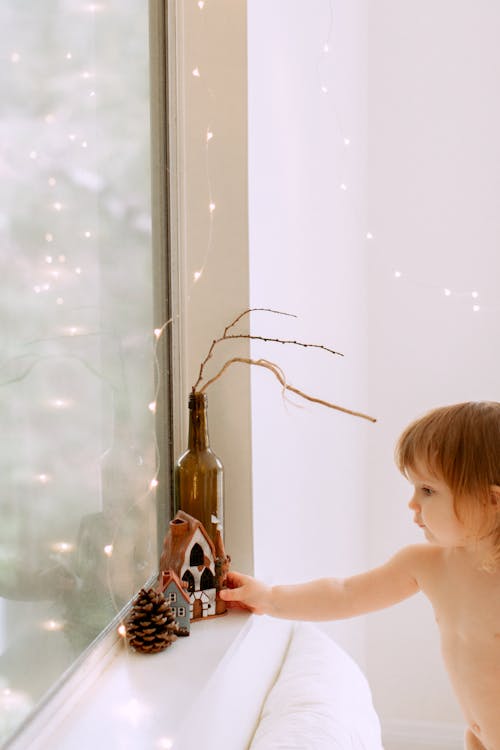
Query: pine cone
point(151, 624)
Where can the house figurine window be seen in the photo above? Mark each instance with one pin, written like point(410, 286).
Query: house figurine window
point(197, 557)
point(207, 580)
point(189, 578)
point(173, 596)
point(181, 611)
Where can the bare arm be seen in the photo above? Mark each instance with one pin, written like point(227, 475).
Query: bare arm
point(331, 598)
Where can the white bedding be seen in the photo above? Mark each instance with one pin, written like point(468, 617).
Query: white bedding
point(283, 685)
point(320, 700)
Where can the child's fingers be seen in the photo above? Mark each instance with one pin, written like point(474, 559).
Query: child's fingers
point(234, 579)
point(230, 595)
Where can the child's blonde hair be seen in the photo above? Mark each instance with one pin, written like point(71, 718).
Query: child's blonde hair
point(461, 445)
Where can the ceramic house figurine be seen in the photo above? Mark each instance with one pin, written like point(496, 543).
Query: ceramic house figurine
point(177, 599)
point(199, 564)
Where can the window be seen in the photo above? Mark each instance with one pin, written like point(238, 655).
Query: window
point(207, 580)
point(172, 597)
point(82, 375)
point(189, 579)
point(181, 611)
point(197, 557)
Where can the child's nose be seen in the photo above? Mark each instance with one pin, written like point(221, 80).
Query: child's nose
point(413, 505)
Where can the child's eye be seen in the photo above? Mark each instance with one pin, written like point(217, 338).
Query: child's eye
point(427, 491)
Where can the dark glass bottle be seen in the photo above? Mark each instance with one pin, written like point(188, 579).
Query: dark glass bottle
point(198, 478)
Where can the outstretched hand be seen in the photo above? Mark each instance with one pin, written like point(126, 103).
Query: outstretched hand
point(245, 592)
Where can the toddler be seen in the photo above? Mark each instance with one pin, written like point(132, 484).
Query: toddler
point(451, 456)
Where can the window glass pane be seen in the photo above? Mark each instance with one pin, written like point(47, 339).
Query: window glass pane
point(77, 501)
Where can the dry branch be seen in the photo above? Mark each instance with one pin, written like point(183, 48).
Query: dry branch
point(225, 336)
point(278, 373)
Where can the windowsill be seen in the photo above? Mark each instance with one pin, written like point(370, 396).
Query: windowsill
point(140, 701)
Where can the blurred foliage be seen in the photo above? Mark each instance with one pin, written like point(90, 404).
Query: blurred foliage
point(76, 354)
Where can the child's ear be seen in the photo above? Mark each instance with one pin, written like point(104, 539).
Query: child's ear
point(495, 496)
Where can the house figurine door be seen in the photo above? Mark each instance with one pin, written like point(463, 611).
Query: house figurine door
point(197, 609)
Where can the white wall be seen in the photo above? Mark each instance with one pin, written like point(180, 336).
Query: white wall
point(433, 196)
point(306, 257)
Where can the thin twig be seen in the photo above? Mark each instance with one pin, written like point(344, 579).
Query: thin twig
point(280, 341)
point(225, 336)
point(255, 309)
point(277, 372)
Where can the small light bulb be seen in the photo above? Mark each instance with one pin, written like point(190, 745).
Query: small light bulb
point(369, 236)
point(397, 274)
point(57, 206)
point(33, 155)
point(122, 631)
point(91, 93)
point(211, 207)
point(43, 478)
point(476, 308)
point(447, 292)
point(52, 625)
point(69, 56)
point(197, 275)
point(347, 141)
point(210, 135)
point(48, 258)
point(152, 407)
point(475, 295)
point(326, 48)
point(157, 332)
point(78, 270)
point(62, 547)
point(153, 483)
point(72, 136)
point(165, 743)
point(201, 4)
point(108, 550)
point(324, 89)
point(196, 72)
point(37, 289)
point(343, 186)
point(84, 144)
point(49, 237)
point(87, 234)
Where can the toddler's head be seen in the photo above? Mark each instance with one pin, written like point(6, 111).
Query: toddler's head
point(460, 444)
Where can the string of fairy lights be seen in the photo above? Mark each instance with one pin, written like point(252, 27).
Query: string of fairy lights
point(470, 297)
point(54, 279)
point(55, 273)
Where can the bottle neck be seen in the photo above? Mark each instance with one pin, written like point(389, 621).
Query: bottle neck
point(198, 426)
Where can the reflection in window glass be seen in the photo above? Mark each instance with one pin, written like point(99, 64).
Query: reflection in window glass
point(77, 505)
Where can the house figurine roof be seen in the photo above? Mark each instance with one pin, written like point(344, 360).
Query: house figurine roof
point(170, 576)
point(178, 537)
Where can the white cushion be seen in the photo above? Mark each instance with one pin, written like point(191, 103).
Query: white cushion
point(320, 701)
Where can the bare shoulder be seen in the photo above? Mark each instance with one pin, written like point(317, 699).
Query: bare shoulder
point(419, 560)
